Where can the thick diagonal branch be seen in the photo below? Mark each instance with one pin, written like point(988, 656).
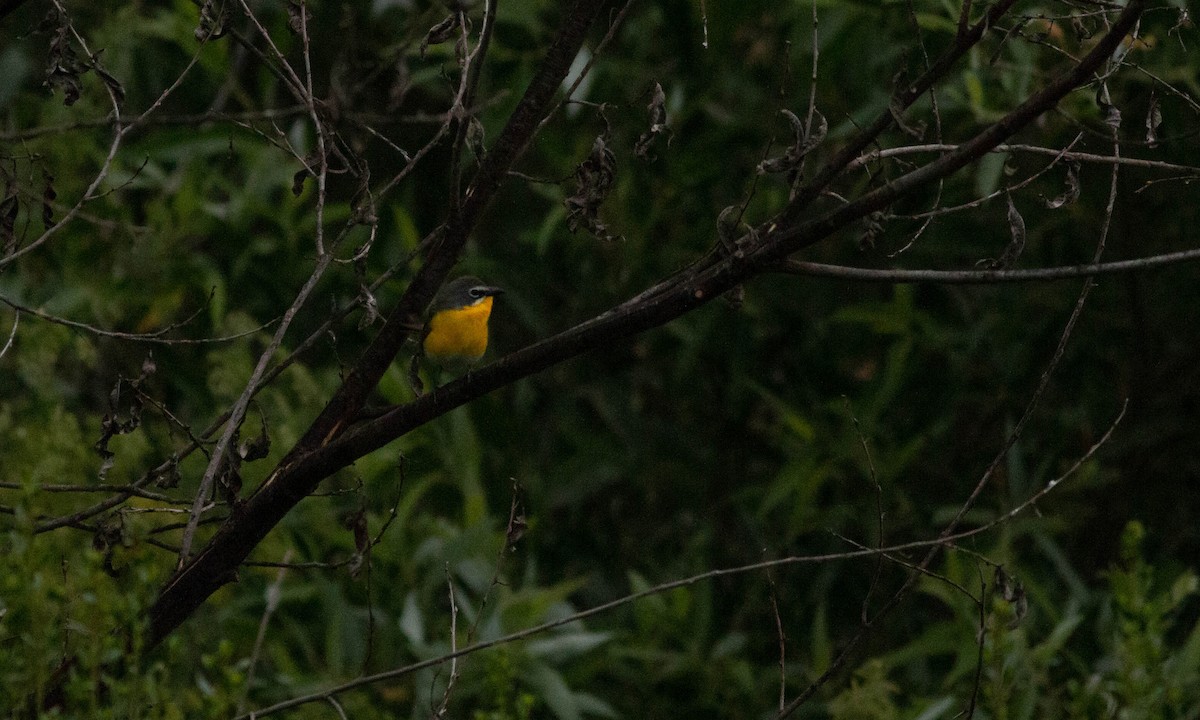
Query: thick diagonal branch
point(691, 292)
point(215, 564)
point(311, 463)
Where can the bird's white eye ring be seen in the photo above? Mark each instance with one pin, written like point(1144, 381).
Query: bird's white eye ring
point(475, 293)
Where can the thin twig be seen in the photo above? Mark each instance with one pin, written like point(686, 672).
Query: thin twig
point(874, 155)
point(977, 202)
point(980, 639)
point(862, 441)
point(441, 711)
point(190, 120)
point(812, 78)
point(318, 128)
point(12, 334)
point(986, 277)
point(155, 337)
point(64, 488)
point(782, 638)
point(272, 596)
point(587, 68)
point(220, 451)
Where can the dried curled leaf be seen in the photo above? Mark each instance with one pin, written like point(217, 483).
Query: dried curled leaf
point(1153, 121)
point(256, 448)
point(658, 123)
point(230, 479)
point(476, 138)
point(896, 109)
point(595, 176)
point(517, 527)
point(109, 81)
point(312, 160)
point(362, 205)
point(441, 32)
point(1016, 243)
point(872, 230)
point(214, 20)
point(1071, 193)
point(169, 476)
point(366, 298)
point(1013, 592)
point(735, 236)
point(298, 16)
point(803, 142)
point(1080, 28)
point(414, 375)
point(109, 535)
point(727, 225)
point(917, 132)
point(356, 523)
point(64, 69)
point(112, 423)
point(1112, 116)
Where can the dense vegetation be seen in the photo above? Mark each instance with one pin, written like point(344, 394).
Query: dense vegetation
point(980, 490)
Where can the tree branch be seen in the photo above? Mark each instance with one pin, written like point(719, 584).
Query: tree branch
point(834, 166)
point(986, 277)
point(328, 447)
point(216, 563)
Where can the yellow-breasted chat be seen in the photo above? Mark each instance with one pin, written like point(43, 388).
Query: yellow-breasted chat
point(456, 331)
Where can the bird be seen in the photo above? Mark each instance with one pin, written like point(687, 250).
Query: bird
point(455, 335)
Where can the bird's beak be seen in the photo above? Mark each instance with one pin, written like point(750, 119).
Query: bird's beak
point(492, 291)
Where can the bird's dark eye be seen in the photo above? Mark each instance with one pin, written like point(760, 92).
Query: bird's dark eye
point(475, 293)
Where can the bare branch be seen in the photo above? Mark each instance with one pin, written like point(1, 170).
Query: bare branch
point(150, 337)
point(273, 594)
point(12, 334)
point(1033, 149)
point(987, 277)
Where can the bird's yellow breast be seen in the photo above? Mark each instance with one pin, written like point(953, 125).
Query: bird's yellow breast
point(459, 333)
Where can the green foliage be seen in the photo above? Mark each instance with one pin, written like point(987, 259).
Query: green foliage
point(808, 416)
point(58, 602)
point(1151, 662)
point(502, 685)
point(869, 697)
